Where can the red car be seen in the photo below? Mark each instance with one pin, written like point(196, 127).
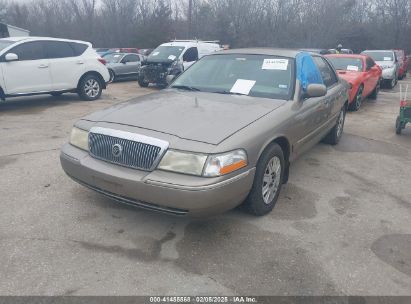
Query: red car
point(404, 62)
point(361, 72)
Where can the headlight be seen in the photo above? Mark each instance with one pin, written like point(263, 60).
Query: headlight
point(183, 162)
point(79, 138)
point(218, 165)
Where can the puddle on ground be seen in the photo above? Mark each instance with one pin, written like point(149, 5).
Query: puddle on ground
point(395, 250)
point(295, 203)
point(353, 143)
point(248, 260)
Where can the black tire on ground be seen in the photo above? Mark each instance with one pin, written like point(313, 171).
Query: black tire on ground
point(112, 75)
point(333, 138)
point(256, 204)
point(90, 88)
point(56, 94)
point(356, 104)
point(374, 93)
point(398, 126)
point(391, 83)
point(143, 83)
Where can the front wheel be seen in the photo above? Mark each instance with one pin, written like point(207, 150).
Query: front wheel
point(90, 88)
point(143, 83)
point(336, 133)
point(268, 181)
point(112, 76)
point(356, 104)
point(392, 83)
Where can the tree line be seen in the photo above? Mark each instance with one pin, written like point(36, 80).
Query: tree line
point(357, 24)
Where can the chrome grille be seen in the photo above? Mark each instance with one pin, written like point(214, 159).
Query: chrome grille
point(126, 149)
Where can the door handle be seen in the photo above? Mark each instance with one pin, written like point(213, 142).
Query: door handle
point(80, 62)
point(43, 66)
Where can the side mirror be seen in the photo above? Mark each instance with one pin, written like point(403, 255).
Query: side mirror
point(170, 78)
point(316, 90)
point(11, 57)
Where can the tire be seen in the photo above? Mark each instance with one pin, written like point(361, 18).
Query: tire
point(398, 126)
point(356, 104)
point(90, 88)
point(376, 90)
point(257, 203)
point(392, 83)
point(56, 94)
point(112, 76)
point(143, 83)
point(333, 138)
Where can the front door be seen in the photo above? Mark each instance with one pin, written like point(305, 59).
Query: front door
point(30, 73)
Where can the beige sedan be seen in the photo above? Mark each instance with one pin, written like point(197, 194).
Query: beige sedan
point(224, 133)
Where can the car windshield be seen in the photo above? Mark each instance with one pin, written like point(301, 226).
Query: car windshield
point(252, 75)
point(113, 57)
point(4, 44)
point(347, 64)
point(381, 55)
point(163, 53)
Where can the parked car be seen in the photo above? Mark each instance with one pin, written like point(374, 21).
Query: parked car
point(123, 65)
point(362, 73)
point(34, 65)
point(389, 64)
point(404, 62)
point(145, 52)
point(172, 59)
point(223, 133)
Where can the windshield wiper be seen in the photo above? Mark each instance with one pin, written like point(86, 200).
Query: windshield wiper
point(184, 87)
point(229, 93)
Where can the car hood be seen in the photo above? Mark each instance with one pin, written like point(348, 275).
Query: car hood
point(349, 76)
point(198, 116)
point(383, 64)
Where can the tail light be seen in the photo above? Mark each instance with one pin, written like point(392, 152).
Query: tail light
point(102, 60)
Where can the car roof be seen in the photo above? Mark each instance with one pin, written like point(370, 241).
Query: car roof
point(358, 56)
point(371, 51)
point(34, 38)
point(262, 51)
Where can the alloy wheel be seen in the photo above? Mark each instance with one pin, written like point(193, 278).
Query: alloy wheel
point(92, 88)
point(271, 180)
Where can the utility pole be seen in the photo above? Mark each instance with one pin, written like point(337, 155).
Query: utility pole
point(190, 19)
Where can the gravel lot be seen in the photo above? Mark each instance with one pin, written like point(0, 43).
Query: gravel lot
point(341, 227)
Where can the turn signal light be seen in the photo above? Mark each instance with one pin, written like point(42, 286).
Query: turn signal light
point(233, 167)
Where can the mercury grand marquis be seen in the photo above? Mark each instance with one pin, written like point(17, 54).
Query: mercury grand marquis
point(222, 134)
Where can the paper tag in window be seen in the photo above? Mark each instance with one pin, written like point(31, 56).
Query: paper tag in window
point(387, 58)
point(172, 57)
point(283, 86)
point(352, 68)
point(275, 64)
point(155, 53)
point(243, 86)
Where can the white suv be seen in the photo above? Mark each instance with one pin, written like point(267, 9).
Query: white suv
point(34, 65)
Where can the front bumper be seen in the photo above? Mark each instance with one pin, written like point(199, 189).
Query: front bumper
point(161, 191)
point(388, 74)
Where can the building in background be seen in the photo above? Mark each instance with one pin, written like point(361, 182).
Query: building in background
point(12, 31)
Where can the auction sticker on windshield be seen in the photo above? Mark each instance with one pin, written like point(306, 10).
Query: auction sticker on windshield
point(172, 57)
point(275, 64)
point(243, 86)
point(155, 53)
point(352, 68)
point(387, 58)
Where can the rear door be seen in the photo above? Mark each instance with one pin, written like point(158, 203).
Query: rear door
point(31, 73)
point(129, 65)
point(66, 64)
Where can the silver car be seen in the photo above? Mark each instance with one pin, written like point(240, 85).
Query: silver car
point(388, 62)
point(224, 133)
point(123, 65)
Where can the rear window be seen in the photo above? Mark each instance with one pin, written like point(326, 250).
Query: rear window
point(79, 48)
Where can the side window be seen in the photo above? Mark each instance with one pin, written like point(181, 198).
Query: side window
point(78, 48)
point(326, 71)
point(58, 49)
point(130, 58)
point(29, 51)
point(191, 55)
